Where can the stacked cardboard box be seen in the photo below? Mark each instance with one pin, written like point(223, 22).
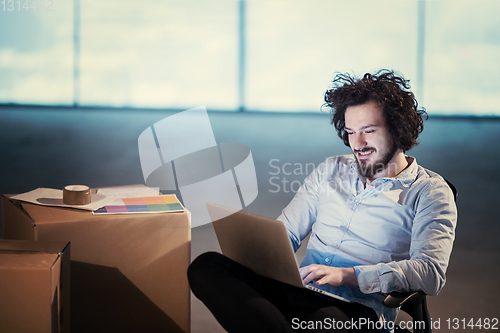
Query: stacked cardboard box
point(34, 286)
point(128, 272)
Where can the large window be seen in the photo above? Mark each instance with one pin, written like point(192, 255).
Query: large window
point(294, 47)
point(274, 55)
point(159, 53)
point(462, 57)
point(36, 52)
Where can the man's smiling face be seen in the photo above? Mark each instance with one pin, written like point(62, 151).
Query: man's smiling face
point(369, 139)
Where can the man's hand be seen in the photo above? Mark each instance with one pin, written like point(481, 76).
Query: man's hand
point(336, 276)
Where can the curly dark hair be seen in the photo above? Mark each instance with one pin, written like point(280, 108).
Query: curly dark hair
point(403, 118)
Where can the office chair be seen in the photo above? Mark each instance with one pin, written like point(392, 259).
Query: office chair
point(414, 303)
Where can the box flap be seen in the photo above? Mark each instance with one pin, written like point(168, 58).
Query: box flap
point(7, 245)
point(32, 260)
point(30, 254)
point(46, 214)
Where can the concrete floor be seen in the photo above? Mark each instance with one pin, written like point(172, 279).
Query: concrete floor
point(47, 147)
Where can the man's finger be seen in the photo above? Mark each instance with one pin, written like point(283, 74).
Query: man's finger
point(308, 278)
point(304, 271)
point(323, 280)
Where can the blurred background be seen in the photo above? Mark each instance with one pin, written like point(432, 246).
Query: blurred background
point(81, 80)
point(256, 55)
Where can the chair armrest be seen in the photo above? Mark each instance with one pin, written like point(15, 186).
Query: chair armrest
point(413, 303)
point(397, 299)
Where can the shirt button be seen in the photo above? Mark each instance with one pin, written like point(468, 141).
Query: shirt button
point(327, 259)
point(336, 245)
point(370, 289)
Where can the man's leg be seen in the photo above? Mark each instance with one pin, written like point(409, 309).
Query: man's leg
point(243, 301)
point(234, 294)
point(326, 314)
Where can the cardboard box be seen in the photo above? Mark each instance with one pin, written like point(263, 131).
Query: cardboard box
point(129, 272)
point(34, 286)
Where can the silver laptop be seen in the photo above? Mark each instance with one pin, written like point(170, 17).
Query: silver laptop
point(259, 243)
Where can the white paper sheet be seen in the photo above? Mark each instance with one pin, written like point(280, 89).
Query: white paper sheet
point(133, 191)
point(53, 197)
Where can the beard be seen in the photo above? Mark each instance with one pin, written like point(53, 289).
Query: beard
point(368, 170)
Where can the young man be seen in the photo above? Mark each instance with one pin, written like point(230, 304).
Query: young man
point(379, 223)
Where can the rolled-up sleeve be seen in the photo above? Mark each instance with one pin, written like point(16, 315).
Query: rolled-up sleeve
point(433, 233)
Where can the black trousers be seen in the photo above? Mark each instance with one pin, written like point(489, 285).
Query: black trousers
point(243, 301)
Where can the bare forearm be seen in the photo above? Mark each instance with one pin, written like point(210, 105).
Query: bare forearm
point(349, 277)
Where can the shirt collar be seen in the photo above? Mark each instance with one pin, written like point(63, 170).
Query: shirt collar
point(408, 175)
point(405, 177)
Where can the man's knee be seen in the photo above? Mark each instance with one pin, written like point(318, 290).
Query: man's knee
point(203, 262)
point(198, 271)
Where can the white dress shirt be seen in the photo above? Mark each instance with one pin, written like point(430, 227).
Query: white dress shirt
point(396, 232)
